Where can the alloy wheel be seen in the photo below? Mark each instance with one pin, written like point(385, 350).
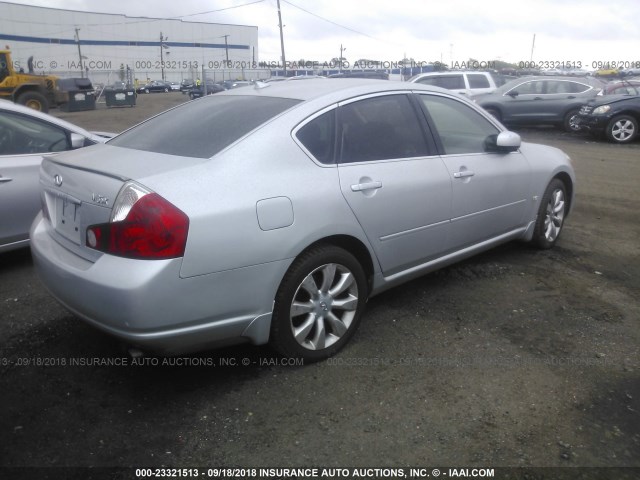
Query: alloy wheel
point(554, 215)
point(622, 130)
point(324, 306)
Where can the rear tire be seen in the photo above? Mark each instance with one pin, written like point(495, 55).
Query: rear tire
point(34, 100)
point(569, 122)
point(319, 304)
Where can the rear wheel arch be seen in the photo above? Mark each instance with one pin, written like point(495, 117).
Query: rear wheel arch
point(320, 301)
point(352, 245)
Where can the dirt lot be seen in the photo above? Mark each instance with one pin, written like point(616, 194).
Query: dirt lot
point(515, 358)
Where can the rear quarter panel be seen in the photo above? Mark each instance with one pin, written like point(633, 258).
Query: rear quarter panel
point(221, 198)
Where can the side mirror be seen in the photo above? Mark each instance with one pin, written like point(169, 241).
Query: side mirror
point(504, 142)
point(513, 93)
point(77, 140)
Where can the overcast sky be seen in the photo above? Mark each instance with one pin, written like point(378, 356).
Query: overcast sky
point(429, 30)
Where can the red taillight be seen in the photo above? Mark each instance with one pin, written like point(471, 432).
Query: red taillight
point(153, 229)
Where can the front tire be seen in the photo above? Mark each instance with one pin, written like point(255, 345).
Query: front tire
point(553, 209)
point(319, 304)
point(34, 100)
point(622, 129)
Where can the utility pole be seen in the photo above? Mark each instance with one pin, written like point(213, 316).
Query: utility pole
point(79, 52)
point(340, 59)
point(226, 49)
point(162, 47)
point(284, 61)
point(533, 44)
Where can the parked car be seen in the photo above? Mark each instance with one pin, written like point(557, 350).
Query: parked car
point(379, 74)
point(607, 72)
point(614, 116)
point(272, 230)
point(155, 86)
point(465, 83)
point(540, 100)
point(187, 85)
point(212, 87)
point(175, 87)
point(576, 72)
point(26, 136)
point(622, 87)
point(630, 72)
point(229, 84)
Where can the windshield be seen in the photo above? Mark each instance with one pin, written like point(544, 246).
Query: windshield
point(203, 127)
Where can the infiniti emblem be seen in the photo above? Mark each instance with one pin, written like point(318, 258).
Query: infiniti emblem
point(57, 180)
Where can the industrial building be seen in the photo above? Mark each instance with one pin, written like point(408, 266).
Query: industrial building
point(104, 47)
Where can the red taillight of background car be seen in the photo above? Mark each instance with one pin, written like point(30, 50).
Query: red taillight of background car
point(153, 229)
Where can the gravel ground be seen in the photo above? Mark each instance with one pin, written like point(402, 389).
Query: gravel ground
point(515, 358)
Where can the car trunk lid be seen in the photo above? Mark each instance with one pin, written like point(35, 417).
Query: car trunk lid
point(79, 188)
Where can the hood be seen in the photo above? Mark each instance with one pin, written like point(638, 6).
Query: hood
point(609, 99)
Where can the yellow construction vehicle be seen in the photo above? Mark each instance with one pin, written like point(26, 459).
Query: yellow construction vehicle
point(39, 92)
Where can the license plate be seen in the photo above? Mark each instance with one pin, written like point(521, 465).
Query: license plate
point(68, 219)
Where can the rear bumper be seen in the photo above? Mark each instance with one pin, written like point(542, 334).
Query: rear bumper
point(147, 304)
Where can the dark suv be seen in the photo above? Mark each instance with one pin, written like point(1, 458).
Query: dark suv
point(540, 100)
point(613, 116)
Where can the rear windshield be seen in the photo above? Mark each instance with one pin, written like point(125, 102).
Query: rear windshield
point(203, 127)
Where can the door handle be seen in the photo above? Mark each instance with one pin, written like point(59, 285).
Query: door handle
point(366, 186)
point(537, 98)
point(464, 173)
point(571, 96)
point(5, 179)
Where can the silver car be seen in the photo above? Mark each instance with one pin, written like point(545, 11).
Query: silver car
point(26, 136)
point(273, 212)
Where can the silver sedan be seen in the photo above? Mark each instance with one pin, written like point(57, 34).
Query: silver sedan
point(26, 136)
point(272, 213)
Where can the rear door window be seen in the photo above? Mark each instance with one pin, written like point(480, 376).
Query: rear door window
point(535, 87)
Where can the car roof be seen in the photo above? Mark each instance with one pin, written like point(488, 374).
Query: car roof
point(338, 88)
point(592, 82)
point(586, 80)
point(446, 72)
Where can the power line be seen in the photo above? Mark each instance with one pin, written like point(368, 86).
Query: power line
point(333, 23)
point(142, 19)
point(218, 10)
